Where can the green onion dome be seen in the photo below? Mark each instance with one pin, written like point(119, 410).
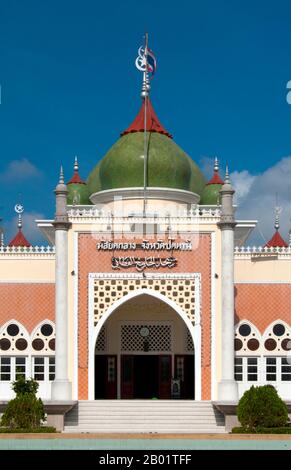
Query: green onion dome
point(210, 195)
point(168, 165)
point(78, 190)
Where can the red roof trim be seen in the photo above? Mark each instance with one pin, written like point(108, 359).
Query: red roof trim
point(76, 179)
point(215, 179)
point(19, 240)
point(153, 123)
point(276, 241)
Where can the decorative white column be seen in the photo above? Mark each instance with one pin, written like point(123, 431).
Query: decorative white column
point(61, 386)
point(227, 388)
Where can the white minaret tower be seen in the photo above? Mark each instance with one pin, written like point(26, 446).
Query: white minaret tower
point(227, 388)
point(61, 387)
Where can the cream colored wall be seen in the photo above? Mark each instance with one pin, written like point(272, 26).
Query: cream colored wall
point(100, 228)
point(216, 366)
point(27, 269)
point(262, 269)
point(145, 309)
point(71, 302)
point(125, 207)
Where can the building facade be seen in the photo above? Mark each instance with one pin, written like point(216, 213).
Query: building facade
point(146, 288)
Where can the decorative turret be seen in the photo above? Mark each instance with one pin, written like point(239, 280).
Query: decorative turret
point(78, 193)
point(227, 389)
point(76, 177)
point(227, 210)
point(61, 193)
point(210, 195)
point(19, 239)
point(277, 240)
point(61, 386)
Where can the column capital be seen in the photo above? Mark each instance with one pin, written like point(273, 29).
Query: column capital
point(227, 222)
point(61, 223)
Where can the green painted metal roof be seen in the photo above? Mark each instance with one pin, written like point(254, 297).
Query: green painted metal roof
point(168, 165)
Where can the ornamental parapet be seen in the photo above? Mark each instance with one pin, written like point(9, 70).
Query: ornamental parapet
point(254, 252)
point(197, 214)
point(27, 252)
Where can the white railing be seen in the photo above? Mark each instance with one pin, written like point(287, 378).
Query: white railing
point(264, 250)
point(101, 213)
point(27, 250)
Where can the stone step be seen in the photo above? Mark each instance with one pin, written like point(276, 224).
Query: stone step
point(144, 416)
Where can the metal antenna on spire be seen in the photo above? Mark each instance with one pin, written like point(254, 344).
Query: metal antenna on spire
point(277, 211)
point(226, 179)
point(145, 62)
point(61, 180)
point(145, 93)
point(216, 165)
point(141, 63)
point(19, 209)
point(76, 164)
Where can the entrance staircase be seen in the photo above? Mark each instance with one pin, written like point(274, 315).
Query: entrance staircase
point(144, 416)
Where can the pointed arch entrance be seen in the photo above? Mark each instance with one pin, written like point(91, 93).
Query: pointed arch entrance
point(139, 359)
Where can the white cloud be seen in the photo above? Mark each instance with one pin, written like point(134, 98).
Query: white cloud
point(29, 228)
point(242, 181)
point(257, 199)
point(19, 170)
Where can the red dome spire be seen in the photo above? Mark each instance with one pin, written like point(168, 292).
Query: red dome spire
point(277, 240)
point(216, 177)
point(76, 177)
point(19, 240)
point(152, 122)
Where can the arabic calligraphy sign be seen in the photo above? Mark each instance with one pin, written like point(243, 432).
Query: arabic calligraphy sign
point(141, 264)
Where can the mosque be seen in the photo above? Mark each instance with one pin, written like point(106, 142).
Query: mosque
point(146, 288)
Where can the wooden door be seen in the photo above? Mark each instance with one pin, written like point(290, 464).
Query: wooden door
point(165, 376)
point(184, 371)
point(127, 383)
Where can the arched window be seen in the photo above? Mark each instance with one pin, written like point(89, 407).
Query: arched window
point(277, 352)
point(43, 351)
point(247, 345)
point(263, 358)
point(14, 351)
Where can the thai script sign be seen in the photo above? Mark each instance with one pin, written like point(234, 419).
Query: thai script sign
point(158, 245)
point(140, 264)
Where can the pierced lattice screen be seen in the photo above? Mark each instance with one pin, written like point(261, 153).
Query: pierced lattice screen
point(189, 341)
point(158, 339)
point(181, 291)
point(101, 340)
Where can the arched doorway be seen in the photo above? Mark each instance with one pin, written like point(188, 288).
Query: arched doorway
point(143, 347)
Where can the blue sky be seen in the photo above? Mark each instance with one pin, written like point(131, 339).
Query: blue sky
point(69, 87)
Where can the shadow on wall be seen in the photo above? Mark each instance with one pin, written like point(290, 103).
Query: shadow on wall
point(236, 317)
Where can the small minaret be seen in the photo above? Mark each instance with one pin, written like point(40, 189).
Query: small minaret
point(61, 387)
point(216, 179)
point(76, 179)
point(227, 388)
point(19, 239)
point(277, 241)
point(61, 193)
